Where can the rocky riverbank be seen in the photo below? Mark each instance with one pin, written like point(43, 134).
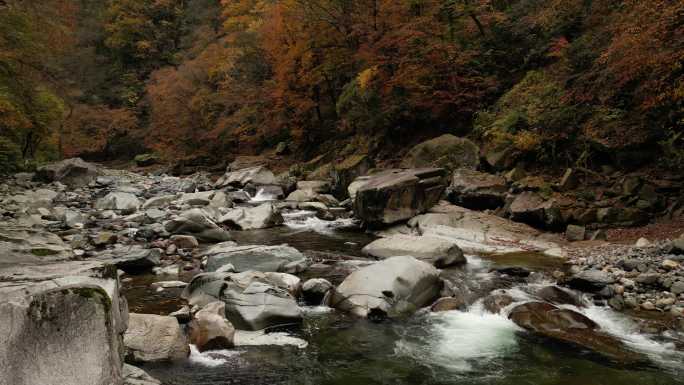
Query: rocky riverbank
point(73, 232)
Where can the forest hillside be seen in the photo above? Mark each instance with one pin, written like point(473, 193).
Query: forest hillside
point(551, 82)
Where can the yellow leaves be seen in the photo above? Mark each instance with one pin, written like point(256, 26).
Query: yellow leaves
point(366, 76)
point(526, 140)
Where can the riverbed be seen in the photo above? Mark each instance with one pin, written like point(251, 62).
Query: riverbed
point(453, 347)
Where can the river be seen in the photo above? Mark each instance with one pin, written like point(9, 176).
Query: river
point(454, 347)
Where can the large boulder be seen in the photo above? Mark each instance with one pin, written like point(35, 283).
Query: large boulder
point(392, 287)
point(250, 218)
point(396, 195)
point(257, 176)
point(154, 338)
point(344, 173)
point(210, 329)
point(254, 300)
point(439, 252)
point(571, 327)
point(122, 202)
point(591, 280)
point(528, 207)
point(446, 151)
point(61, 323)
point(477, 190)
point(279, 258)
point(478, 232)
point(73, 172)
point(198, 223)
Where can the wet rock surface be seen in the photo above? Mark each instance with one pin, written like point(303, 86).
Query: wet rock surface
point(571, 327)
point(392, 287)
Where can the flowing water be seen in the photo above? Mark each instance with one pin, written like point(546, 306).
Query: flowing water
point(455, 347)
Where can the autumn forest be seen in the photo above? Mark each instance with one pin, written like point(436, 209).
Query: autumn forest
point(566, 81)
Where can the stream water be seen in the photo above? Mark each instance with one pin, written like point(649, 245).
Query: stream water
point(454, 347)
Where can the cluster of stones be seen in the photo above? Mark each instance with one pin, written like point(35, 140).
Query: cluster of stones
point(644, 276)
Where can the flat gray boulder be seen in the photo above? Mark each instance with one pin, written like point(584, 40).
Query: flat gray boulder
point(25, 246)
point(436, 251)
point(392, 287)
point(279, 258)
point(479, 232)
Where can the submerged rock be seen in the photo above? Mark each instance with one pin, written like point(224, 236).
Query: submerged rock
point(571, 327)
point(392, 287)
point(494, 303)
point(259, 338)
point(448, 304)
point(439, 252)
point(396, 195)
point(154, 338)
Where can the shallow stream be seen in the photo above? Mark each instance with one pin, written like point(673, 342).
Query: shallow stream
point(471, 347)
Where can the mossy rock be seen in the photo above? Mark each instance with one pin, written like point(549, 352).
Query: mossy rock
point(144, 160)
point(446, 151)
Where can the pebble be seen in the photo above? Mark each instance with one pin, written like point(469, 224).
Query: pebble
point(669, 264)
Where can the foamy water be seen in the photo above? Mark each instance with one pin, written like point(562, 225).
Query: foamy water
point(307, 221)
point(457, 340)
point(212, 358)
point(262, 196)
point(662, 353)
